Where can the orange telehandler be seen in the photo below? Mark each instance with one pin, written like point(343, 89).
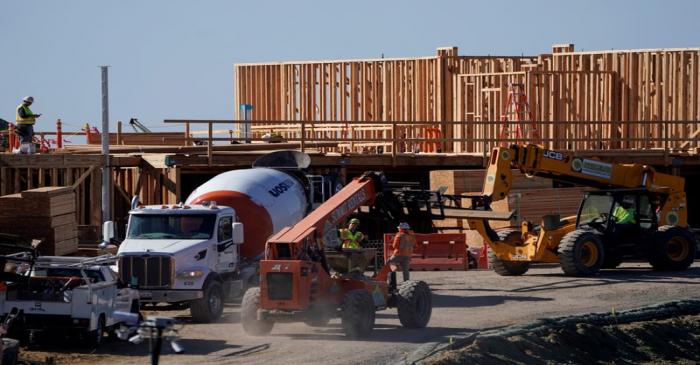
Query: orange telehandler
point(303, 279)
point(639, 213)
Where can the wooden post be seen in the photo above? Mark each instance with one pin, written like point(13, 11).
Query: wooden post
point(173, 184)
point(209, 144)
point(187, 134)
point(4, 181)
point(302, 143)
point(119, 132)
point(394, 143)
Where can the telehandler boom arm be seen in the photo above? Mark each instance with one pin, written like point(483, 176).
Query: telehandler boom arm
point(534, 160)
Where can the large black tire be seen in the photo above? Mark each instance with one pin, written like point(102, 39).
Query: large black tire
point(211, 306)
point(581, 253)
point(672, 248)
point(357, 314)
point(414, 303)
point(10, 351)
point(507, 268)
point(249, 314)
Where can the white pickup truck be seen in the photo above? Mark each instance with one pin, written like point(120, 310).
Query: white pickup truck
point(73, 295)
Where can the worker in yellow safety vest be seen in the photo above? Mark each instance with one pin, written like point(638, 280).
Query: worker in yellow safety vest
point(624, 213)
point(25, 125)
point(351, 237)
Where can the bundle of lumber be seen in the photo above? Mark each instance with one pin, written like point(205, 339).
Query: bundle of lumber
point(47, 214)
point(471, 182)
point(530, 198)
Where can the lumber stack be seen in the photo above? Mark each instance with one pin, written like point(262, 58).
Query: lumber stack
point(471, 182)
point(530, 198)
point(47, 214)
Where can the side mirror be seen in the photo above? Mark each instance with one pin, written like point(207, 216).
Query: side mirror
point(107, 233)
point(237, 232)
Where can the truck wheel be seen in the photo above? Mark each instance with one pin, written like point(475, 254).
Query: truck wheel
point(249, 314)
point(414, 303)
point(672, 248)
point(96, 337)
point(503, 267)
point(580, 253)
point(357, 313)
point(10, 351)
point(211, 306)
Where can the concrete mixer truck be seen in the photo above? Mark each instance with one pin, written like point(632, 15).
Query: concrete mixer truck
point(205, 250)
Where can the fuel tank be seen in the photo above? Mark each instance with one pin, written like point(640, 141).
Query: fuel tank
point(265, 200)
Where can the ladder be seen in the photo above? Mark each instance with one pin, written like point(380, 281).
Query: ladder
point(517, 114)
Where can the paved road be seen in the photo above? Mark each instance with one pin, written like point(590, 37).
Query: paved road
point(463, 302)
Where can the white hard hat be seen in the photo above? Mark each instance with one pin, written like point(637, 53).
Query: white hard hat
point(28, 99)
point(404, 225)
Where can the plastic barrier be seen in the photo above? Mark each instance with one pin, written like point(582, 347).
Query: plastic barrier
point(435, 251)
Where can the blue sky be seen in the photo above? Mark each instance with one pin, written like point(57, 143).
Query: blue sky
point(174, 58)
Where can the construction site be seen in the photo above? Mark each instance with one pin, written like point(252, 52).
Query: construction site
point(548, 194)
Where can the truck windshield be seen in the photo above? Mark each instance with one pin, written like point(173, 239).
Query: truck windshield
point(152, 226)
point(595, 209)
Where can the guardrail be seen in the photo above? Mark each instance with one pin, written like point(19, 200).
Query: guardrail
point(460, 136)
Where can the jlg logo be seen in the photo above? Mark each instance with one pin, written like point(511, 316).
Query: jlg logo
point(553, 155)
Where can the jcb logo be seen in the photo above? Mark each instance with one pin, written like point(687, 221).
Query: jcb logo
point(553, 155)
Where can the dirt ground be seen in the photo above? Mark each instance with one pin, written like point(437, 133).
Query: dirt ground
point(672, 340)
point(464, 302)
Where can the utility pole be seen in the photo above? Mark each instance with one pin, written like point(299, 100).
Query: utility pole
point(106, 174)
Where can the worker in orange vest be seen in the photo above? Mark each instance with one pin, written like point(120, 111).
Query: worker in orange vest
point(403, 245)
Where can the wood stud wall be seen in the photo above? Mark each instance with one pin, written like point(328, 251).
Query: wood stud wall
point(614, 94)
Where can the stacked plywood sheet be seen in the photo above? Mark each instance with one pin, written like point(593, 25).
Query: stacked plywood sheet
point(47, 214)
point(530, 198)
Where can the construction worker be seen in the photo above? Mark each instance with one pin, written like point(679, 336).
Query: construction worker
point(350, 236)
point(403, 245)
point(25, 125)
point(625, 213)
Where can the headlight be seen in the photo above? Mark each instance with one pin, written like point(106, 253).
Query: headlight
point(190, 274)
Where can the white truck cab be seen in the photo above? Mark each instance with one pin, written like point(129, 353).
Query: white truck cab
point(185, 254)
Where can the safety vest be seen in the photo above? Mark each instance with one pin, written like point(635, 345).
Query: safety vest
point(28, 120)
point(403, 244)
point(350, 239)
point(624, 216)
